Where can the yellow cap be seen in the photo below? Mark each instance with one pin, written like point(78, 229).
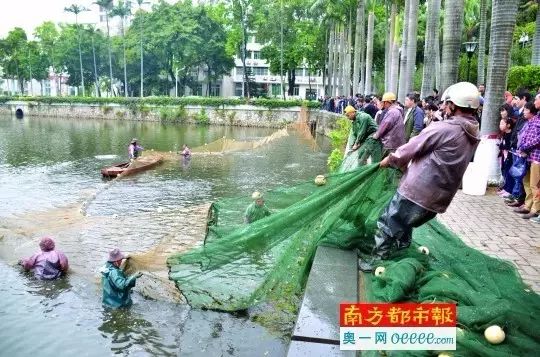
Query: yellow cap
point(349, 109)
point(256, 195)
point(388, 97)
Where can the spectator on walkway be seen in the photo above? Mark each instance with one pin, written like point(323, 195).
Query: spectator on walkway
point(371, 107)
point(391, 131)
point(529, 146)
point(481, 90)
point(414, 117)
point(506, 125)
point(526, 111)
point(432, 114)
point(49, 263)
point(434, 163)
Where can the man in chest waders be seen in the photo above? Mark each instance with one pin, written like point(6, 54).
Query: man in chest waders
point(434, 163)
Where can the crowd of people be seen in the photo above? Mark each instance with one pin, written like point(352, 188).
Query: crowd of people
point(519, 135)
point(519, 152)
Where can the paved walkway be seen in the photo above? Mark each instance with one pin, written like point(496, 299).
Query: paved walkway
point(487, 224)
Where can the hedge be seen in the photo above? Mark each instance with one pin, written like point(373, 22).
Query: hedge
point(181, 101)
point(527, 77)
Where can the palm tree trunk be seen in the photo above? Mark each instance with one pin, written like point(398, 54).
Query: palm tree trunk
point(348, 62)
point(80, 54)
point(481, 76)
point(503, 22)
point(402, 86)
point(411, 45)
point(453, 26)
point(126, 94)
point(110, 54)
point(536, 41)
point(142, 60)
point(324, 73)
point(432, 31)
point(394, 71)
point(358, 43)
point(96, 81)
point(331, 57)
point(438, 61)
point(390, 45)
point(339, 78)
point(369, 51)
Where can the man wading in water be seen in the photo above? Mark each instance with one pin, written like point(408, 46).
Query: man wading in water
point(437, 160)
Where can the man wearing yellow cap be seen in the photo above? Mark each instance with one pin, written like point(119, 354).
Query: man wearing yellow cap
point(257, 210)
point(391, 131)
point(362, 127)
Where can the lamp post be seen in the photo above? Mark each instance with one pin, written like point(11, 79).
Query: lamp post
point(470, 48)
point(523, 40)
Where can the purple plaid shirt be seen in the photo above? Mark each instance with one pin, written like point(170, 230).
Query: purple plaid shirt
point(530, 140)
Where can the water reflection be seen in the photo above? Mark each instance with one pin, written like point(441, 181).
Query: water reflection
point(129, 332)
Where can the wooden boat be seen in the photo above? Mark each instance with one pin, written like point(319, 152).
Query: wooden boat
point(130, 168)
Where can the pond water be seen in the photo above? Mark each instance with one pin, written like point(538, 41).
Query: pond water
point(50, 185)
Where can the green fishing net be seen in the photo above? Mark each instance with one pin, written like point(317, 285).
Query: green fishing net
point(268, 261)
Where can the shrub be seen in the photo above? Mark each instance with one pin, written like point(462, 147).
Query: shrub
point(524, 77)
point(338, 139)
point(135, 103)
point(202, 117)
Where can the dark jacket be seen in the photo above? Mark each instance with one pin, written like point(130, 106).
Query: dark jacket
point(438, 158)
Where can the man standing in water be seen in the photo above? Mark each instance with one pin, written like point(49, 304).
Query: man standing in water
point(49, 264)
point(257, 210)
point(434, 163)
point(134, 150)
point(116, 286)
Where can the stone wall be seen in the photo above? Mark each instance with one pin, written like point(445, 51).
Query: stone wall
point(240, 115)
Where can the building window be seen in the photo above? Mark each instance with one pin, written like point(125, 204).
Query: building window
point(215, 90)
point(238, 89)
point(311, 94)
point(260, 71)
point(252, 39)
point(197, 90)
point(296, 90)
point(239, 71)
point(299, 72)
point(102, 18)
point(276, 89)
point(256, 54)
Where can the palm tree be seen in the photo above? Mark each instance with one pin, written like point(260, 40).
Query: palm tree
point(123, 10)
point(369, 49)
point(432, 30)
point(503, 22)
point(75, 9)
point(106, 5)
point(141, 3)
point(536, 40)
point(402, 86)
point(453, 27)
point(412, 32)
point(481, 77)
point(389, 47)
point(358, 43)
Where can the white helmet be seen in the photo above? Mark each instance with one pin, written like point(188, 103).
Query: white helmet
point(463, 95)
point(256, 195)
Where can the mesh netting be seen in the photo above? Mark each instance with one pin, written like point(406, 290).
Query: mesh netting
point(269, 260)
point(224, 144)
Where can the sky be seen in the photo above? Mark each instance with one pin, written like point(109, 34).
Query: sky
point(29, 14)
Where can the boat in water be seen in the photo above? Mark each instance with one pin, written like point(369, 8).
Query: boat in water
point(130, 168)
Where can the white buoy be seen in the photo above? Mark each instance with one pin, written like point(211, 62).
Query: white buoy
point(444, 354)
point(423, 250)
point(320, 180)
point(494, 334)
point(115, 216)
point(380, 271)
point(160, 209)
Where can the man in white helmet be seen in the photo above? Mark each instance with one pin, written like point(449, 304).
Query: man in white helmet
point(434, 163)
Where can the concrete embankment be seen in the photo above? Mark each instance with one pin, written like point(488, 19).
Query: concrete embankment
point(234, 115)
